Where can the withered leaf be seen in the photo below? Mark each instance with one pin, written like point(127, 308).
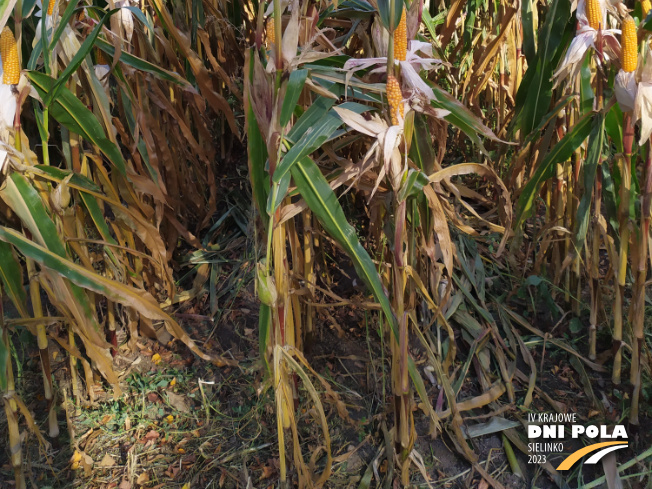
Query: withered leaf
point(178, 402)
point(142, 478)
point(152, 435)
point(107, 461)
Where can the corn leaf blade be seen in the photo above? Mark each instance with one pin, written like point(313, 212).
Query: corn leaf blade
point(12, 279)
point(323, 202)
point(562, 151)
point(73, 114)
point(590, 167)
point(293, 92)
point(77, 60)
point(6, 7)
point(310, 141)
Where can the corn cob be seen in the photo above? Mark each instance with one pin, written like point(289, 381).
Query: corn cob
point(594, 14)
point(646, 5)
point(51, 6)
point(100, 57)
point(271, 32)
point(9, 55)
point(394, 97)
point(400, 39)
point(629, 42)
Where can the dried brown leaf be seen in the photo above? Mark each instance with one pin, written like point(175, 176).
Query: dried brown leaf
point(107, 461)
point(178, 402)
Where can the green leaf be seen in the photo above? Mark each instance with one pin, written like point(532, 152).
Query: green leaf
point(527, 22)
point(534, 280)
point(462, 118)
point(432, 23)
point(25, 201)
point(614, 126)
point(256, 151)
point(293, 92)
point(323, 202)
point(586, 87)
point(12, 280)
point(310, 117)
point(610, 199)
point(589, 171)
point(28, 6)
point(100, 223)
point(34, 56)
point(125, 94)
point(80, 277)
point(44, 34)
point(141, 16)
point(77, 179)
point(355, 107)
point(335, 82)
point(62, 23)
point(73, 114)
point(562, 151)
point(310, 141)
point(413, 185)
point(575, 326)
point(78, 59)
point(390, 19)
point(421, 149)
point(647, 23)
point(549, 117)
point(469, 22)
point(87, 279)
point(98, 218)
point(354, 9)
point(279, 191)
point(6, 7)
point(535, 92)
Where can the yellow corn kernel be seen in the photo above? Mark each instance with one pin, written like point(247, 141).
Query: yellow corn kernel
point(271, 32)
point(51, 6)
point(629, 42)
point(646, 5)
point(400, 39)
point(594, 14)
point(9, 55)
point(394, 97)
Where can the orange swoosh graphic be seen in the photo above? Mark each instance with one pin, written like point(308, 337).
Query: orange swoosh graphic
point(575, 456)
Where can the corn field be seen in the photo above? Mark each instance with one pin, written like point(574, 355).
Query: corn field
point(454, 194)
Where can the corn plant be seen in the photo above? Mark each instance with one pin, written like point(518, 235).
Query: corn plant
point(92, 227)
point(430, 121)
point(597, 101)
point(294, 131)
